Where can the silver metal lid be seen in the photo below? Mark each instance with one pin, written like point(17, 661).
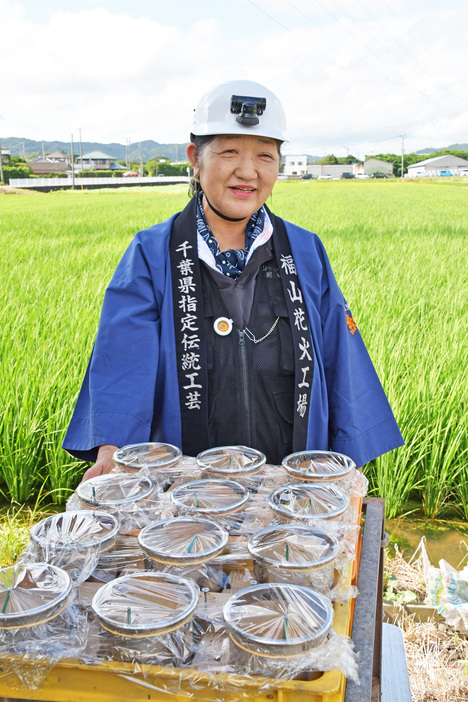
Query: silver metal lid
point(80, 531)
point(210, 497)
point(32, 594)
point(309, 501)
point(230, 461)
point(318, 465)
point(183, 540)
point(153, 456)
point(114, 491)
point(278, 620)
point(145, 604)
point(293, 547)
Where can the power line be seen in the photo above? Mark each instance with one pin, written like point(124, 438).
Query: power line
point(392, 68)
point(314, 48)
point(401, 79)
point(359, 58)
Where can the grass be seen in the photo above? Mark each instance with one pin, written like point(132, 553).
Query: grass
point(15, 525)
point(398, 250)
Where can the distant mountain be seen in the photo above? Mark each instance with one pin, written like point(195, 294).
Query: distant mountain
point(20, 146)
point(149, 149)
point(454, 147)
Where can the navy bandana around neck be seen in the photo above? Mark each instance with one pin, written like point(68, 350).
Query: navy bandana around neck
point(231, 262)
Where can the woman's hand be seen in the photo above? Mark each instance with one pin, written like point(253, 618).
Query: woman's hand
point(104, 463)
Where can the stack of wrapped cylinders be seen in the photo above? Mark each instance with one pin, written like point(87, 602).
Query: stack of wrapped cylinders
point(220, 564)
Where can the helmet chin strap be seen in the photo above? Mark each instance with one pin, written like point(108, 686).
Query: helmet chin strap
point(220, 214)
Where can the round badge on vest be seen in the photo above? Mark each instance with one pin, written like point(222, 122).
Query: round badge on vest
point(223, 326)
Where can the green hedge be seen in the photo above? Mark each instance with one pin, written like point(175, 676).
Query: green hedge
point(101, 174)
point(15, 172)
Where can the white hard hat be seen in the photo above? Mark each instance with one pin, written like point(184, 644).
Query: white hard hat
point(240, 107)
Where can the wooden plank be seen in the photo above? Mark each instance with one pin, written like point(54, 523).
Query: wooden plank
point(368, 605)
point(394, 679)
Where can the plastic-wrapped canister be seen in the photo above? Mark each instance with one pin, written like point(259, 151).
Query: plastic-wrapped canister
point(276, 621)
point(296, 554)
point(307, 502)
point(231, 461)
point(74, 540)
point(133, 499)
point(147, 616)
point(210, 498)
point(185, 546)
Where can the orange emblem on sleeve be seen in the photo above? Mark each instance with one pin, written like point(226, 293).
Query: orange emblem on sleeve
point(352, 326)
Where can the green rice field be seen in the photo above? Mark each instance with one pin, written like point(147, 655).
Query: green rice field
point(399, 252)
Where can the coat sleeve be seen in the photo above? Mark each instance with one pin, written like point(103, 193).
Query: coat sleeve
point(116, 401)
point(361, 424)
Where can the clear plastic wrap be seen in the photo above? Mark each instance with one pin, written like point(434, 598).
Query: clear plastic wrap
point(39, 625)
point(306, 502)
point(183, 540)
point(154, 457)
point(145, 604)
point(231, 461)
point(329, 467)
point(147, 617)
point(28, 654)
point(295, 554)
point(32, 594)
point(210, 498)
point(133, 499)
point(72, 541)
point(177, 526)
point(318, 465)
point(278, 620)
point(282, 630)
point(337, 652)
point(186, 546)
point(123, 558)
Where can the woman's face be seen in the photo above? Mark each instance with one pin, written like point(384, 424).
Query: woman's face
point(236, 173)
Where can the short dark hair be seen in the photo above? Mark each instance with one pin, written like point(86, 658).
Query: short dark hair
point(202, 141)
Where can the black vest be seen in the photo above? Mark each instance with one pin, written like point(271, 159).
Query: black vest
point(251, 385)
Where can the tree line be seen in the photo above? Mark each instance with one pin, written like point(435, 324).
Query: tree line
point(395, 159)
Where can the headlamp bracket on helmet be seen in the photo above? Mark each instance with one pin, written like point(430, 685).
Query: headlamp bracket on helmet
point(247, 109)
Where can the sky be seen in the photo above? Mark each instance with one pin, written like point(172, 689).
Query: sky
point(355, 76)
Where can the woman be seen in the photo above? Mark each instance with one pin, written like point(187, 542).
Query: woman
point(225, 325)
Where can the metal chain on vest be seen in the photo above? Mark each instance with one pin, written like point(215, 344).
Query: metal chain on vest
point(252, 337)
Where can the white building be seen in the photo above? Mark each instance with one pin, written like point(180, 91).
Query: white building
point(335, 170)
point(295, 165)
point(374, 165)
point(431, 167)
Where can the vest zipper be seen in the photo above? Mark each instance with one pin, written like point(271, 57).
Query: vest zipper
point(245, 404)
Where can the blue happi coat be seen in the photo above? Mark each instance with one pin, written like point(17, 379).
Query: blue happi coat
point(130, 391)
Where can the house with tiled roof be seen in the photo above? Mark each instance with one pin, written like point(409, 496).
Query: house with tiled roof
point(98, 160)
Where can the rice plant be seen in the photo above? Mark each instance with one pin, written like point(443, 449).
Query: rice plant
point(398, 251)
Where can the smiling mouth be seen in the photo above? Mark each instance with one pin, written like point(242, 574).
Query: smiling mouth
point(242, 189)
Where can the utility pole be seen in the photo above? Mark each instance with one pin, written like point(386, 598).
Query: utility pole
point(1, 160)
point(141, 160)
point(402, 155)
point(127, 153)
point(73, 164)
point(1, 164)
point(43, 153)
point(81, 153)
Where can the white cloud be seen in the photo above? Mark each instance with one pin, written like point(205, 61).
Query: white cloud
point(345, 84)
